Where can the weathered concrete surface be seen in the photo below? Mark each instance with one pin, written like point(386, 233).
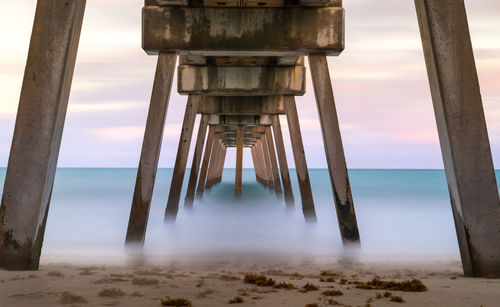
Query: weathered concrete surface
point(38, 131)
point(206, 160)
point(334, 149)
point(463, 134)
point(300, 160)
point(241, 81)
point(151, 146)
point(280, 149)
point(182, 156)
point(242, 105)
point(241, 32)
point(195, 165)
point(274, 164)
point(231, 120)
point(240, 132)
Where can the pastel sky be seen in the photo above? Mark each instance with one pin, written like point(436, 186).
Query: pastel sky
point(381, 89)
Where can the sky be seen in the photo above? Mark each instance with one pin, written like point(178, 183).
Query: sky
point(380, 83)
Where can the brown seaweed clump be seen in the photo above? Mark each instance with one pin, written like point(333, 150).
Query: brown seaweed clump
point(310, 287)
point(328, 279)
point(236, 300)
point(397, 299)
point(414, 285)
point(69, 298)
point(259, 280)
point(332, 293)
point(311, 305)
point(284, 285)
point(178, 302)
point(111, 292)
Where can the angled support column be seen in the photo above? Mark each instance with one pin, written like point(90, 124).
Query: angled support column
point(285, 175)
point(240, 133)
point(182, 156)
point(213, 161)
point(262, 160)
point(214, 168)
point(151, 146)
point(221, 165)
point(300, 160)
point(258, 159)
point(206, 160)
point(334, 149)
point(255, 167)
point(38, 131)
point(463, 134)
point(195, 166)
point(267, 161)
point(274, 164)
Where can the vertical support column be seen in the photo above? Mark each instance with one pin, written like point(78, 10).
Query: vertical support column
point(151, 146)
point(274, 163)
point(267, 161)
point(206, 160)
point(38, 132)
point(240, 134)
point(285, 175)
point(463, 134)
point(300, 160)
point(174, 196)
point(334, 149)
point(195, 166)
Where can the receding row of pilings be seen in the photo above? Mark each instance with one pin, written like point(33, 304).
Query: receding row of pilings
point(250, 49)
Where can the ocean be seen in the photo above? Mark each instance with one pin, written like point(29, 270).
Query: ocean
point(403, 215)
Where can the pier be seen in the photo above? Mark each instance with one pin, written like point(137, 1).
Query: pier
point(241, 65)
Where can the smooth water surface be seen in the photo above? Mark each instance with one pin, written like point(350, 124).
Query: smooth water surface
point(402, 215)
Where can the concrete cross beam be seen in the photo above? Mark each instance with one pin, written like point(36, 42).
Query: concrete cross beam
point(245, 3)
point(197, 59)
point(232, 128)
point(241, 81)
point(243, 32)
point(242, 105)
point(230, 120)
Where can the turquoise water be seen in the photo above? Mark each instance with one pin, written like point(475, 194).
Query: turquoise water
point(402, 215)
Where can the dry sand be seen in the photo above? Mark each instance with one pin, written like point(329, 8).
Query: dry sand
point(214, 283)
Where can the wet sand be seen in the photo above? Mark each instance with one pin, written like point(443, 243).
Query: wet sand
point(216, 282)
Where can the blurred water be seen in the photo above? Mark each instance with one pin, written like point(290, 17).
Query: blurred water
point(402, 214)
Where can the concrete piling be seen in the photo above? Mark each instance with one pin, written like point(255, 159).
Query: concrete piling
point(151, 146)
point(206, 160)
point(240, 131)
point(300, 160)
point(38, 132)
point(334, 149)
point(195, 166)
point(463, 133)
point(285, 175)
point(182, 156)
point(274, 164)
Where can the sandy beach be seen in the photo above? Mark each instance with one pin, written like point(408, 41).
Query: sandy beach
point(216, 283)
